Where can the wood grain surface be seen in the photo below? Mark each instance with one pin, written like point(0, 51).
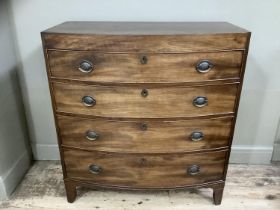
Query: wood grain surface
point(160, 136)
point(157, 157)
point(144, 171)
point(148, 43)
point(144, 28)
point(161, 102)
point(160, 68)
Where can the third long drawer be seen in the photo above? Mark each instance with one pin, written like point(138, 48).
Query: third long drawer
point(152, 136)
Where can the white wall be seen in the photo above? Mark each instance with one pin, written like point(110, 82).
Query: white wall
point(14, 155)
point(260, 102)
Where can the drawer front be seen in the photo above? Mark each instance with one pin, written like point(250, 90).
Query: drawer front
point(145, 171)
point(112, 67)
point(157, 102)
point(148, 136)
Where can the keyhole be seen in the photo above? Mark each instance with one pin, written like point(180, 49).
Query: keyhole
point(144, 126)
point(143, 161)
point(144, 92)
point(143, 59)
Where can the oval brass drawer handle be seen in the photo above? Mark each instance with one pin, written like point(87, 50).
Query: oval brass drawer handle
point(204, 66)
point(197, 136)
point(95, 169)
point(88, 101)
point(92, 135)
point(200, 101)
point(85, 66)
point(193, 170)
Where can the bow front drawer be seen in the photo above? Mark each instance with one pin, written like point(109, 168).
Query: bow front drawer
point(136, 102)
point(145, 170)
point(144, 68)
point(149, 136)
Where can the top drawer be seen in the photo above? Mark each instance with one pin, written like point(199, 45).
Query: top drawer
point(144, 68)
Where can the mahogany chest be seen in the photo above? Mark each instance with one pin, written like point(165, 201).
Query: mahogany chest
point(145, 106)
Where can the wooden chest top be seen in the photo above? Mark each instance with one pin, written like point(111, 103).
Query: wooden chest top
point(147, 36)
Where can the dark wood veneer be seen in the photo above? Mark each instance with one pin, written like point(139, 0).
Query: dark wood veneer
point(160, 136)
point(157, 155)
point(144, 170)
point(128, 102)
point(123, 67)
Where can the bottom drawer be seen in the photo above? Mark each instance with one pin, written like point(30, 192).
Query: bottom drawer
point(145, 170)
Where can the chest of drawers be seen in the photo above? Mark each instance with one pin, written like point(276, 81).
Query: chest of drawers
point(145, 106)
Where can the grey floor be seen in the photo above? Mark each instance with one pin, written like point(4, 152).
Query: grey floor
point(250, 187)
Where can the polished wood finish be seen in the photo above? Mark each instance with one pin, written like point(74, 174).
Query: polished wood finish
point(218, 195)
point(145, 37)
point(71, 192)
point(154, 43)
point(89, 184)
point(128, 102)
point(160, 136)
point(144, 81)
point(144, 170)
point(144, 28)
point(127, 68)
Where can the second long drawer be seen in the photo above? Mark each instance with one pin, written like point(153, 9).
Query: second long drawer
point(145, 136)
point(141, 102)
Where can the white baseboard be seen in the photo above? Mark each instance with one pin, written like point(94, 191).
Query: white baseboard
point(10, 179)
point(3, 194)
point(45, 151)
point(251, 155)
point(276, 152)
point(239, 153)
